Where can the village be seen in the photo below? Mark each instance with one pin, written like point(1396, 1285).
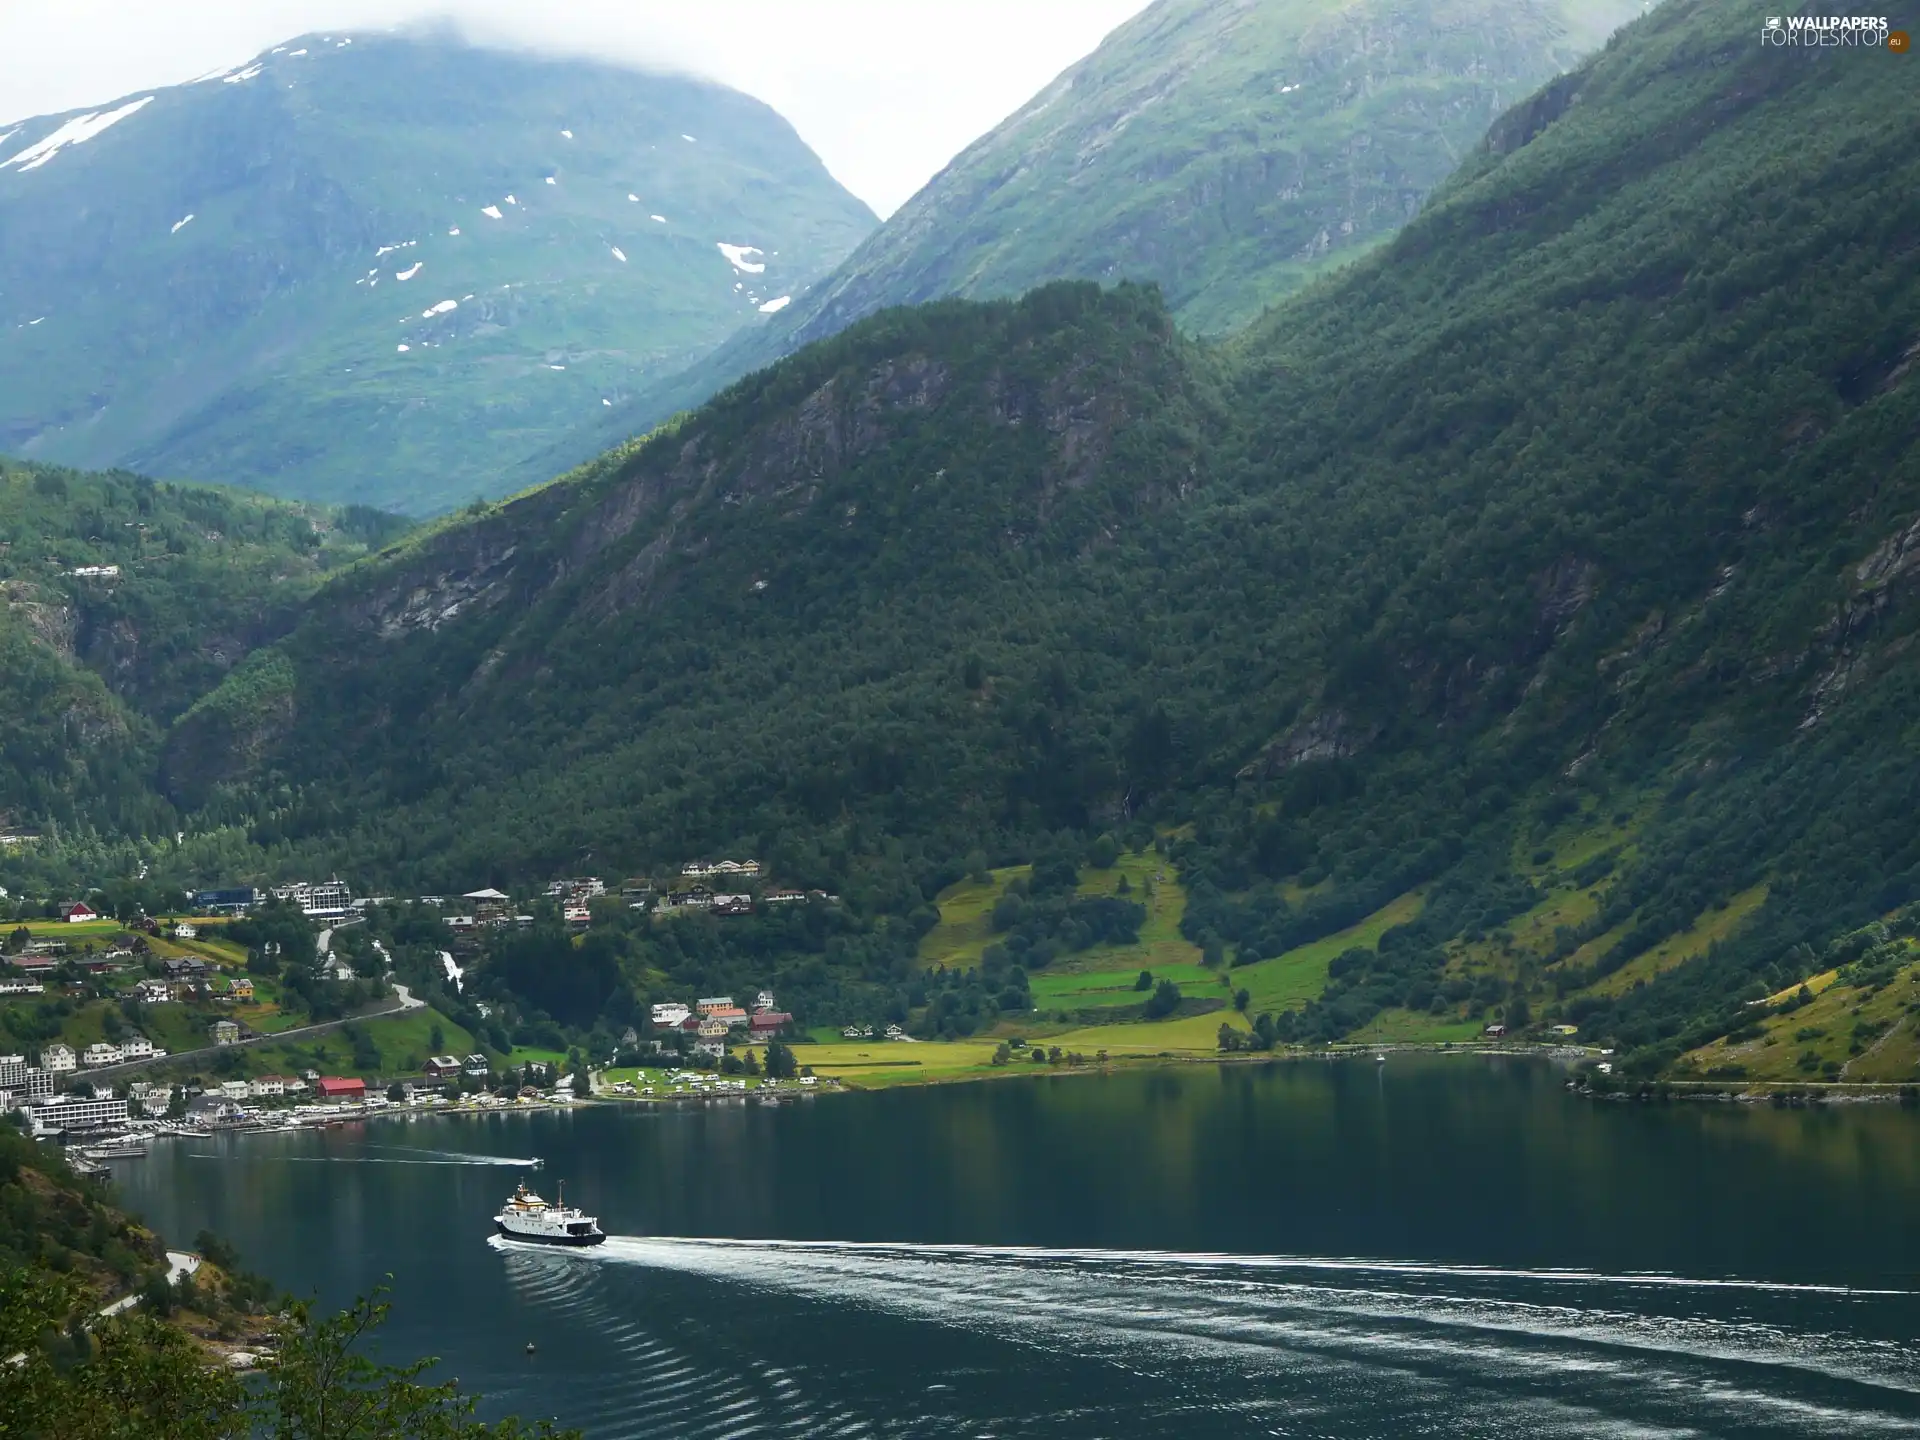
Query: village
point(92, 1095)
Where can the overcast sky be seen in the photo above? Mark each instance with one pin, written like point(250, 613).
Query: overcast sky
point(887, 91)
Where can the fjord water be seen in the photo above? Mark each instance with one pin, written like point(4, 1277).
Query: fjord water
point(1439, 1246)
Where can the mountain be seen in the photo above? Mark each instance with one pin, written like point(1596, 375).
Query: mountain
point(385, 269)
point(1226, 150)
point(125, 601)
point(1516, 624)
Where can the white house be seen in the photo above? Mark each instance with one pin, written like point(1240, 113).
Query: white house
point(100, 1053)
point(184, 931)
point(669, 1013)
point(764, 1000)
point(136, 1047)
point(224, 1032)
point(236, 1090)
point(153, 992)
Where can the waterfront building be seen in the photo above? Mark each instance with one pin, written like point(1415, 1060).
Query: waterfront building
point(73, 1112)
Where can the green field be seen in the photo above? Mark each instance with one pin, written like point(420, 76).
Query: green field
point(1190, 1037)
point(1845, 1033)
point(1676, 950)
point(67, 930)
point(875, 1064)
point(966, 911)
point(1287, 982)
point(1102, 989)
point(870, 1065)
point(1410, 1027)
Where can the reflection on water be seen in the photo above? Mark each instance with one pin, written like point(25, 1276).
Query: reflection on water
point(1144, 1255)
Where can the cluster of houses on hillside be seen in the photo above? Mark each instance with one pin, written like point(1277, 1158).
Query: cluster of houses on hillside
point(720, 869)
point(735, 890)
point(712, 1021)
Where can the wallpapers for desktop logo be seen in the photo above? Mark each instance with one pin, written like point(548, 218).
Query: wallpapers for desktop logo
point(1864, 32)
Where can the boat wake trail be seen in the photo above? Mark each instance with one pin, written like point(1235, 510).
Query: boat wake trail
point(628, 1380)
point(461, 1157)
point(393, 1160)
point(1391, 1348)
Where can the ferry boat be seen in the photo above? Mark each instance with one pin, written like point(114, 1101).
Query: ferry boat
point(527, 1217)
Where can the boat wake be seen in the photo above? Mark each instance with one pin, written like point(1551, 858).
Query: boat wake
point(461, 1157)
point(401, 1156)
point(1539, 1352)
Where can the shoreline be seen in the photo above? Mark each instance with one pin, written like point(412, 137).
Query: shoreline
point(1778, 1094)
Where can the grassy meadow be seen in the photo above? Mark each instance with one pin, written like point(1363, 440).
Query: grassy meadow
point(1287, 982)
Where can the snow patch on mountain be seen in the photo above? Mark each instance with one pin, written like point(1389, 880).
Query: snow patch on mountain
point(76, 131)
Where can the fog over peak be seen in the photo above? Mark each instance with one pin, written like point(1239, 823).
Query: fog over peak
point(885, 92)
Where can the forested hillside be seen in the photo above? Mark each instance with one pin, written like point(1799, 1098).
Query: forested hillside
point(1226, 152)
point(126, 601)
point(1537, 592)
point(386, 269)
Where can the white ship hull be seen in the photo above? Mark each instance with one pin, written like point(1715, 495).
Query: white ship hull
point(541, 1237)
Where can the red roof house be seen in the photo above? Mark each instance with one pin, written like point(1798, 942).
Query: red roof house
point(768, 1022)
point(78, 913)
point(334, 1087)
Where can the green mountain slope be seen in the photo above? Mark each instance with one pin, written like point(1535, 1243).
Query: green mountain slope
point(1531, 604)
point(126, 601)
point(386, 270)
point(1227, 152)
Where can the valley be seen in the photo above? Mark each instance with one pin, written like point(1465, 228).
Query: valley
point(1113, 804)
point(1419, 659)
